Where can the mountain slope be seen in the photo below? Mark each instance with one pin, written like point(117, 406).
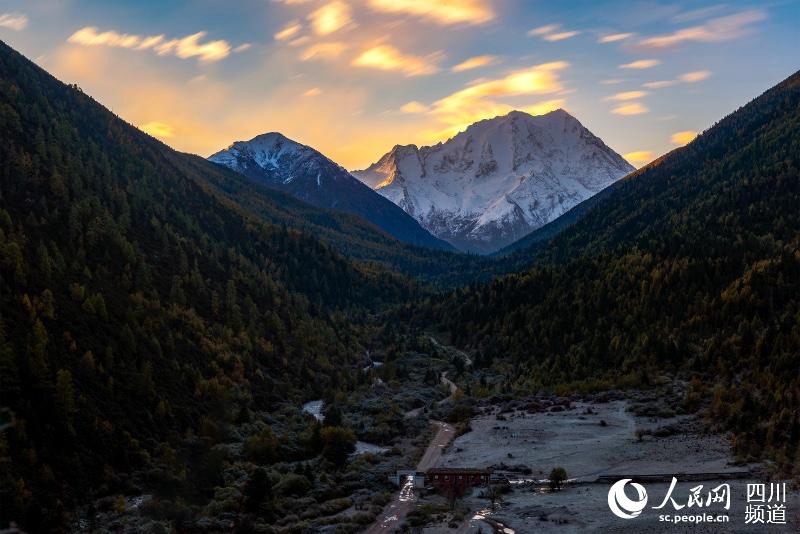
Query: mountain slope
point(498, 180)
point(691, 266)
point(144, 310)
point(529, 246)
point(306, 174)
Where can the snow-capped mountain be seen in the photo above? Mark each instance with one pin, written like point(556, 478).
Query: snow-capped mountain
point(304, 173)
point(498, 180)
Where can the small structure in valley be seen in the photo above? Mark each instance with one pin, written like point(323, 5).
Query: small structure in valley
point(456, 481)
point(403, 475)
point(453, 482)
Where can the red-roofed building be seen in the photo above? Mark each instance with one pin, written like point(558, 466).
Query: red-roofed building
point(455, 482)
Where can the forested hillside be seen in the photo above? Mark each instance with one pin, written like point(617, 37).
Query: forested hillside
point(690, 266)
point(141, 309)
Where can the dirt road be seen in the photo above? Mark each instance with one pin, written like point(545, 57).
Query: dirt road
point(395, 512)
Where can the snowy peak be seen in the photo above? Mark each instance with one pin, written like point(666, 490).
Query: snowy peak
point(381, 173)
point(279, 159)
point(281, 163)
point(499, 179)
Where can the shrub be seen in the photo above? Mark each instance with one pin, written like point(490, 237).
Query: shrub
point(292, 484)
point(557, 477)
point(338, 443)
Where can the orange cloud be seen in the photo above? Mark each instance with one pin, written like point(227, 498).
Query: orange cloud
point(696, 76)
point(414, 107)
point(474, 63)
point(716, 30)
point(543, 30)
point(627, 95)
point(659, 84)
point(550, 33)
point(314, 91)
point(614, 37)
point(634, 108)
point(184, 48)
point(290, 30)
point(330, 50)
point(553, 37)
point(683, 138)
point(639, 158)
point(331, 17)
point(441, 12)
point(481, 100)
point(144, 90)
point(641, 64)
point(387, 57)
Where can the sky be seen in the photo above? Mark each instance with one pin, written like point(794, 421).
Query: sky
point(353, 78)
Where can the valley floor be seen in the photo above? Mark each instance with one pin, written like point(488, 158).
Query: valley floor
point(575, 439)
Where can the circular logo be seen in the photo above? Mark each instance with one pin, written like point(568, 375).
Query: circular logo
point(621, 505)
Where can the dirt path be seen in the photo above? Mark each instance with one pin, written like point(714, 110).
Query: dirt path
point(395, 512)
point(451, 386)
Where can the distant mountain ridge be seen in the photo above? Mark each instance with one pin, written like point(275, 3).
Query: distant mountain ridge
point(299, 170)
point(498, 180)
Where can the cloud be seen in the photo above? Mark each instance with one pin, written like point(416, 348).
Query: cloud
point(158, 129)
point(714, 31)
point(696, 76)
point(300, 41)
point(314, 91)
point(660, 84)
point(481, 100)
point(614, 37)
point(553, 37)
point(474, 63)
point(613, 81)
point(550, 33)
point(242, 47)
point(387, 57)
point(444, 12)
point(13, 21)
point(290, 30)
point(641, 64)
point(142, 90)
point(184, 48)
point(689, 77)
point(695, 14)
point(330, 18)
point(543, 30)
point(627, 95)
point(639, 158)
point(458, 120)
point(683, 138)
point(331, 50)
point(634, 108)
point(414, 107)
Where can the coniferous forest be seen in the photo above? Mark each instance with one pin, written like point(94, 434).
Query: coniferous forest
point(163, 318)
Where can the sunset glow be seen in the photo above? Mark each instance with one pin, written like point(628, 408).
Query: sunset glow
point(355, 77)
